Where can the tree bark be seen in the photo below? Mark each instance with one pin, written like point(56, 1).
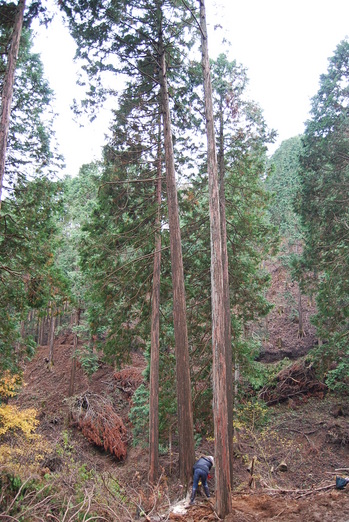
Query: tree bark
point(220, 386)
point(51, 337)
point(300, 314)
point(184, 400)
point(73, 366)
point(155, 336)
point(226, 294)
point(7, 91)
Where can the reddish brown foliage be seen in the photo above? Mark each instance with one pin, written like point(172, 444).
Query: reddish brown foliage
point(129, 379)
point(100, 424)
point(295, 380)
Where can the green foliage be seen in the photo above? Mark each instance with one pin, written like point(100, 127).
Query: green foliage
point(31, 149)
point(28, 275)
point(139, 416)
point(88, 359)
point(283, 182)
point(323, 208)
point(27, 221)
point(252, 414)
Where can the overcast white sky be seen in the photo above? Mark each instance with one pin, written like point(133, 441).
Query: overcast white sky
point(283, 44)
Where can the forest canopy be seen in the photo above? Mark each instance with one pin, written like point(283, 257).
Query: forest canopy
point(125, 257)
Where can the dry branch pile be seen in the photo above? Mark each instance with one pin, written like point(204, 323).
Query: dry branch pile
point(128, 380)
point(295, 380)
point(95, 417)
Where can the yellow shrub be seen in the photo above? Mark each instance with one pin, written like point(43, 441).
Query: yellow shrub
point(12, 419)
point(9, 384)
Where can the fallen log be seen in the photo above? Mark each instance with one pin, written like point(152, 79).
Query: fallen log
point(300, 492)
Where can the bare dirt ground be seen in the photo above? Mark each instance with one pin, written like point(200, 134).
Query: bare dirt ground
point(308, 434)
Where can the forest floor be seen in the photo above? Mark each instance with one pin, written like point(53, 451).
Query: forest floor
point(298, 445)
point(309, 434)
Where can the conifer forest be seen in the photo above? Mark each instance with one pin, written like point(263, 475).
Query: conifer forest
point(185, 295)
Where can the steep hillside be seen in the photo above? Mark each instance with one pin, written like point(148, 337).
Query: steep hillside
point(298, 444)
point(281, 328)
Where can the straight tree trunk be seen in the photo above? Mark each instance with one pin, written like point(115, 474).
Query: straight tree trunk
point(155, 335)
point(73, 366)
point(184, 399)
point(51, 337)
point(220, 386)
point(7, 90)
point(226, 294)
point(42, 331)
point(300, 308)
point(300, 314)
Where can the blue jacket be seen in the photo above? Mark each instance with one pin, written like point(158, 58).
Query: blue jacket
point(204, 464)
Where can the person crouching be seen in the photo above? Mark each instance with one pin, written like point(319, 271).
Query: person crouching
point(201, 469)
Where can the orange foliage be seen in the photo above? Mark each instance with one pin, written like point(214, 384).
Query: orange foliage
point(129, 378)
point(100, 424)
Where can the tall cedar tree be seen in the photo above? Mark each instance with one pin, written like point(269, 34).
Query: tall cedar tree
point(21, 79)
point(324, 207)
point(8, 81)
point(142, 37)
point(242, 136)
point(221, 345)
point(28, 276)
point(28, 159)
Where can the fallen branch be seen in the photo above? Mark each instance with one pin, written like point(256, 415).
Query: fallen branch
point(301, 492)
point(324, 488)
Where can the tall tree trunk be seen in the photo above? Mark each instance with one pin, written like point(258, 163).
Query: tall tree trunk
point(155, 335)
point(300, 308)
point(226, 294)
point(300, 314)
point(73, 365)
point(7, 90)
point(51, 337)
point(220, 386)
point(184, 399)
point(41, 340)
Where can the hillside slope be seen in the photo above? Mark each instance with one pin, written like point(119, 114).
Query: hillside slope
point(308, 435)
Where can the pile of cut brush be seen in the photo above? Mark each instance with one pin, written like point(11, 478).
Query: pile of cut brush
point(295, 380)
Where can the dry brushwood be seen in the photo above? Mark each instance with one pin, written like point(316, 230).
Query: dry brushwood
point(128, 380)
point(295, 380)
point(95, 417)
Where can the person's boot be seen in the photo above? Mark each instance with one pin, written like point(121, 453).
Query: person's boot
point(207, 491)
point(192, 498)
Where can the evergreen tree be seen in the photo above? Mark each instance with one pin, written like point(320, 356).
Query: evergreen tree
point(323, 208)
point(26, 266)
point(8, 75)
point(26, 139)
point(141, 38)
point(28, 276)
point(284, 182)
point(221, 342)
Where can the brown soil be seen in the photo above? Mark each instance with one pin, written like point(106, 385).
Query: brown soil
point(281, 327)
point(308, 433)
point(311, 435)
